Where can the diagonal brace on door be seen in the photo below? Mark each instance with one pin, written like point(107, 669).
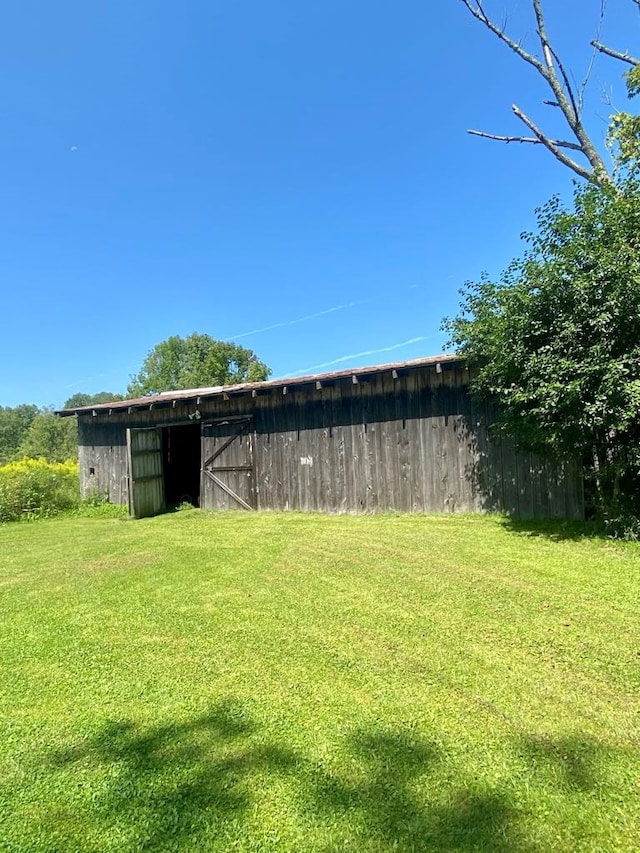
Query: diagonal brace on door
point(228, 490)
point(209, 467)
point(243, 429)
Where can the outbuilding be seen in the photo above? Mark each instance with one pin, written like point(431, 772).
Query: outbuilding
point(405, 436)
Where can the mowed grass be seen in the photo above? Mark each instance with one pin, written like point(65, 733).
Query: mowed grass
point(255, 682)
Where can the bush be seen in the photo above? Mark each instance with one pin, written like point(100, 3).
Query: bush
point(35, 488)
point(624, 525)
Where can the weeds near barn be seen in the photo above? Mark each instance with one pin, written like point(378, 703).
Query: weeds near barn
point(36, 488)
point(286, 682)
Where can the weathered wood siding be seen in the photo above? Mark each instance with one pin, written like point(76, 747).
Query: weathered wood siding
point(102, 457)
point(146, 481)
point(415, 443)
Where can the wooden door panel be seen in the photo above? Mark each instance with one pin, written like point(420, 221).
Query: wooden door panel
point(228, 477)
point(146, 478)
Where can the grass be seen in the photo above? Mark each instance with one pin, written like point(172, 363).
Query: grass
point(254, 682)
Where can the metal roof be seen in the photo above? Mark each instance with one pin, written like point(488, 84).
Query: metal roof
point(200, 394)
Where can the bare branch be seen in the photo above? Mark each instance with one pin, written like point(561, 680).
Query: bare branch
point(554, 74)
point(616, 54)
point(564, 93)
point(552, 147)
point(478, 12)
point(567, 83)
point(534, 140)
point(542, 34)
point(583, 86)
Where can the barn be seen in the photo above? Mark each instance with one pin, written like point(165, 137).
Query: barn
point(406, 436)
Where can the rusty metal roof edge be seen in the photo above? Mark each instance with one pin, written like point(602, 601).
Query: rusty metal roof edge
point(269, 384)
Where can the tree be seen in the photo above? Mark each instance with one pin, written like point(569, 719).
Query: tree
point(556, 341)
point(568, 98)
point(197, 361)
point(55, 439)
point(14, 423)
point(81, 399)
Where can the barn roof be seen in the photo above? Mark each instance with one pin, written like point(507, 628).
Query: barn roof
point(226, 391)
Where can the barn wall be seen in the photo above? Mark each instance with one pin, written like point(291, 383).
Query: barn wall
point(413, 444)
point(417, 443)
point(102, 457)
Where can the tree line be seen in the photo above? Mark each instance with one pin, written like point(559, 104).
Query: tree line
point(196, 361)
point(33, 432)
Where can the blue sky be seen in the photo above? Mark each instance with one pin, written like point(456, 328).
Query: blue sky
point(296, 177)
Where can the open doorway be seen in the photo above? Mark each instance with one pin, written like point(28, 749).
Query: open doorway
point(182, 460)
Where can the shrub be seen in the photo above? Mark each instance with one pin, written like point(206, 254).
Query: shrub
point(623, 525)
point(35, 488)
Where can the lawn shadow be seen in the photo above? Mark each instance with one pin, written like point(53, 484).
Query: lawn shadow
point(199, 784)
point(179, 782)
point(556, 530)
point(574, 763)
point(384, 804)
point(193, 784)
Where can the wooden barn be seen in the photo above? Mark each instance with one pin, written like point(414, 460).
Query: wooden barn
point(405, 437)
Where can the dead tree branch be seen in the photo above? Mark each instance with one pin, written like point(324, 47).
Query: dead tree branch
point(560, 143)
point(550, 145)
point(478, 12)
point(552, 70)
point(616, 54)
point(592, 60)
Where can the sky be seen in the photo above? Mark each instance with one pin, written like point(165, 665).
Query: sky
point(293, 177)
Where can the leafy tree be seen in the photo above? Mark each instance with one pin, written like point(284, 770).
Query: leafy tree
point(55, 439)
point(556, 341)
point(81, 399)
point(579, 152)
point(197, 361)
point(624, 130)
point(14, 423)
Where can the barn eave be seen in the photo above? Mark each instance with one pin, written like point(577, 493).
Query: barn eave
point(284, 386)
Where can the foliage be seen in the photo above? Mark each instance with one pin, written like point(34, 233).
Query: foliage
point(27, 430)
point(14, 423)
point(51, 437)
point(365, 685)
point(35, 488)
point(556, 341)
point(196, 361)
point(625, 525)
point(624, 130)
point(81, 399)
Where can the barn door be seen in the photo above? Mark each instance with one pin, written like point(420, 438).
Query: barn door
point(146, 477)
point(228, 479)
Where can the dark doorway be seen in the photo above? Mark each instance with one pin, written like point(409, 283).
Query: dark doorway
point(182, 461)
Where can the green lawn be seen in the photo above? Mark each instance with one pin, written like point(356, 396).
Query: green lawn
point(254, 682)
